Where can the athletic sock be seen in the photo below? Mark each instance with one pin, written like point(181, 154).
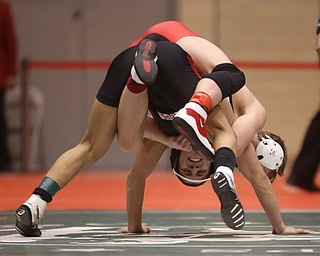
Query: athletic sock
point(203, 99)
point(44, 195)
point(135, 76)
point(134, 84)
point(225, 162)
point(224, 157)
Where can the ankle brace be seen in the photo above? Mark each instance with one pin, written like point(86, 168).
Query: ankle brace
point(49, 185)
point(225, 157)
point(203, 99)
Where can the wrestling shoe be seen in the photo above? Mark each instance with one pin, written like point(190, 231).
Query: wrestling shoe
point(231, 209)
point(190, 122)
point(28, 216)
point(145, 61)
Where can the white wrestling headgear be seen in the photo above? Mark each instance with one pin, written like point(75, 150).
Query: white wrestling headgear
point(270, 153)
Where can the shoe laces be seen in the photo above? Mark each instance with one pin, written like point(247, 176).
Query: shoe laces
point(37, 206)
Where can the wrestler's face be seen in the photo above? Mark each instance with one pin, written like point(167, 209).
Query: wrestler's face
point(192, 166)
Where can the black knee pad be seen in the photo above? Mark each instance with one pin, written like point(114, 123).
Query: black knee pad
point(228, 77)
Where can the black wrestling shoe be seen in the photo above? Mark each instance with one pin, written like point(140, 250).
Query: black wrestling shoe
point(24, 223)
point(145, 61)
point(231, 209)
point(29, 214)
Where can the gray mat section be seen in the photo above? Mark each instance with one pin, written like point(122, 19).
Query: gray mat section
point(172, 233)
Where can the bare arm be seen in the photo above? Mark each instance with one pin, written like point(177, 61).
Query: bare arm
point(144, 163)
point(154, 132)
point(252, 170)
point(151, 150)
point(245, 127)
point(248, 119)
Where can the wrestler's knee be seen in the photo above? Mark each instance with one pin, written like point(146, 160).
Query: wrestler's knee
point(129, 143)
point(228, 77)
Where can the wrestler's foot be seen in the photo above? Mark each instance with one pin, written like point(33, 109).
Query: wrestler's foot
point(28, 216)
point(190, 122)
point(231, 209)
point(145, 62)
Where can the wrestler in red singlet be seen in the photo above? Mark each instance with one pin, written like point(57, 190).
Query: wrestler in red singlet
point(171, 30)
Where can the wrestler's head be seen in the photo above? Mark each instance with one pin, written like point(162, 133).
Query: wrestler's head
point(272, 153)
point(190, 168)
point(193, 170)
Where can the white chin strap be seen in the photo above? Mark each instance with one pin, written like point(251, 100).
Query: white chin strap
point(190, 180)
point(270, 153)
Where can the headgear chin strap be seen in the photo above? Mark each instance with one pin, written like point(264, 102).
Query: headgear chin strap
point(174, 159)
point(191, 180)
point(270, 153)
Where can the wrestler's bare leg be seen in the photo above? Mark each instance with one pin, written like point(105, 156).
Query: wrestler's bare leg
point(134, 99)
point(98, 137)
point(100, 133)
point(132, 115)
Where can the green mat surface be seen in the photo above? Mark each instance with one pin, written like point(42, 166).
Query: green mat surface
point(172, 233)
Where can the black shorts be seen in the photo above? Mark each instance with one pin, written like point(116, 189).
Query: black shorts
point(175, 83)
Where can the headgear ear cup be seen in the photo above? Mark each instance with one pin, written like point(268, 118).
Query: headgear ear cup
point(270, 153)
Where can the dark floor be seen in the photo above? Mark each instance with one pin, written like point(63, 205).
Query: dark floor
point(172, 233)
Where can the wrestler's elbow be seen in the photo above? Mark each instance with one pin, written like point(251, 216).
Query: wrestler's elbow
point(261, 116)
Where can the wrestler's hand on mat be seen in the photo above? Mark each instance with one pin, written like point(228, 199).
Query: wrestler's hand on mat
point(142, 230)
point(178, 142)
point(292, 231)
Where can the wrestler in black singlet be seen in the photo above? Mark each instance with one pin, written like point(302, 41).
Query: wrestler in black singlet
point(177, 76)
point(175, 84)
